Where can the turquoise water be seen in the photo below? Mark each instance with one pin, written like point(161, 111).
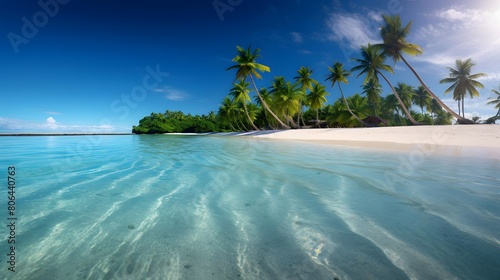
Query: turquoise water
point(176, 207)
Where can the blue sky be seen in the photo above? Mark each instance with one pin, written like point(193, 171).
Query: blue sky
point(89, 66)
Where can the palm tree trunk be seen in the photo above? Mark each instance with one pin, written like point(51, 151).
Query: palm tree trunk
point(290, 120)
point(458, 101)
point(302, 119)
point(238, 128)
point(459, 118)
point(412, 120)
point(265, 104)
point(248, 116)
point(349, 109)
point(243, 125)
point(265, 116)
point(317, 123)
point(298, 114)
point(463, 106)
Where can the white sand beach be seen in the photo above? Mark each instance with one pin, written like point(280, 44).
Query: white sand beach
point(459, 140)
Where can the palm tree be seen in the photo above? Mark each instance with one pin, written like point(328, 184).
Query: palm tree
point(463, 82)
point(372, 90)
point(434, 108)
point(405, 92)
point(317, 97)
point(422, 98)
point(247, 66)
point(287, 99)
point(266, 96)
point(227, 111)
point(306, 83)
point(394, 45)
point(278, 84)
point(242, 120)
point(240, 94)
point(339, 75)
point(372, 64)
point(495, 101)
point(390, 108)
point(341, 116)
point(253, 111)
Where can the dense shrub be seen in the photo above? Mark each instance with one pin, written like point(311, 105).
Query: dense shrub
point(178, 122)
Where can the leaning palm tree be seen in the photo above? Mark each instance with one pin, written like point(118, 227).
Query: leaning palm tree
point(316, 98)
point(372, 90)
point(241, 118)
point(394, 45)
point(277, 87)
point(463, 82)
point(266, 96)
point(372, 64)
point(227, 112)
point(240, 94)
point(495, 101)
point(306, 83)
point(247, 66)
point(287, 101)
point(422, 98)
point(339, 75)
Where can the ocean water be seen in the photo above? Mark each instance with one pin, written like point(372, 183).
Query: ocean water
point(207, 207)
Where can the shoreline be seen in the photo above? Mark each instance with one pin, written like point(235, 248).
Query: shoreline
point(481, 141)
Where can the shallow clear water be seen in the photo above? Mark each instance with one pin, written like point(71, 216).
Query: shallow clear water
point(176, 207)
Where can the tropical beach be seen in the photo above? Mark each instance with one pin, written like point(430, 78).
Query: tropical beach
point(477, 140)
point(250, 140)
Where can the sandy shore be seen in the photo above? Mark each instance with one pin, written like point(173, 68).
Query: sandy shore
point(457, 140)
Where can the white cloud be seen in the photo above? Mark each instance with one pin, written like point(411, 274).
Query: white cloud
point(352, 30)
point(376, 16)
point(172, 93)
point(491, 77)
point(297, 37)
point(459, 33)
point(51, 123)
point(452, 14)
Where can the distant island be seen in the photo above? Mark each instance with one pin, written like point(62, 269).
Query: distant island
point(178, 122)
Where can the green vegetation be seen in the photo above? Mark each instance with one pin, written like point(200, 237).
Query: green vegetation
point(301, 103)
point(463, 82)
point(178, 122)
